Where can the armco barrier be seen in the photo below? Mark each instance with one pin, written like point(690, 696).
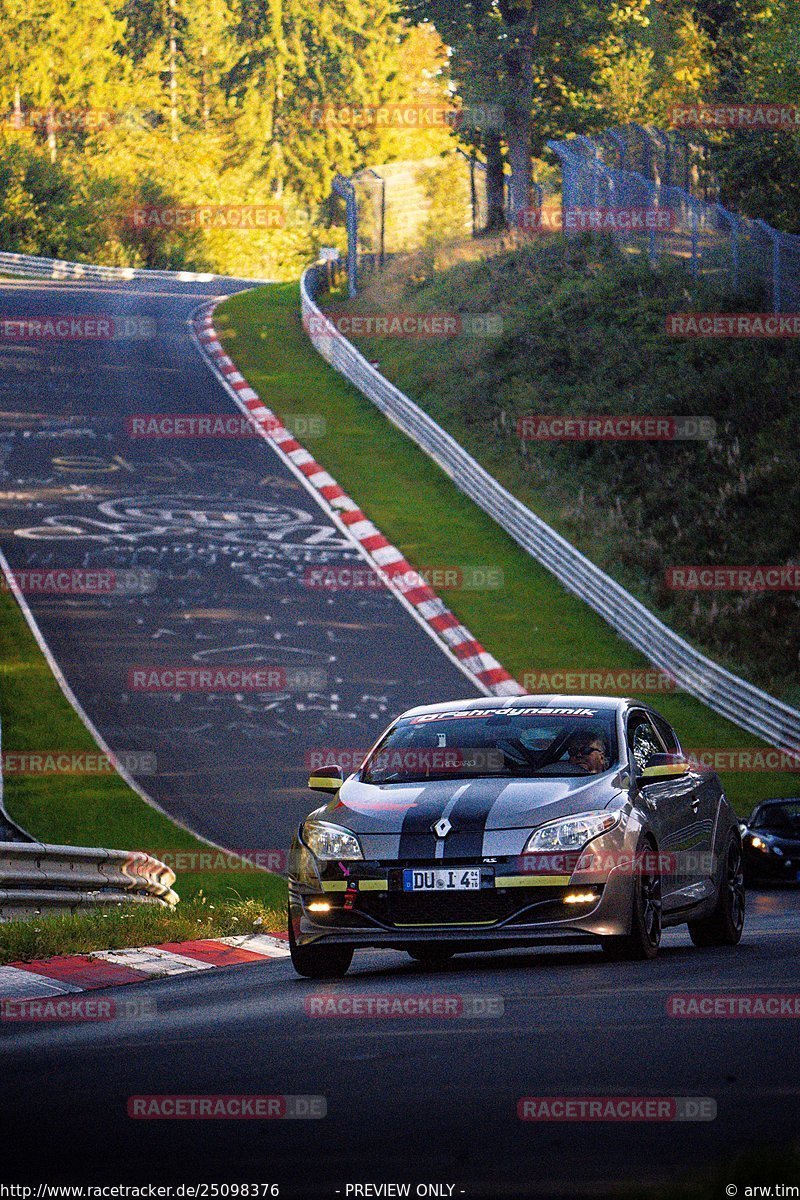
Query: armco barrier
point(36, 878)
point(724, 692)
point(55, 268)
point(34, 267)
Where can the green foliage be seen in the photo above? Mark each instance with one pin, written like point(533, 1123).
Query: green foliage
point(239, 102)
point(760, 170)
point(171, 105)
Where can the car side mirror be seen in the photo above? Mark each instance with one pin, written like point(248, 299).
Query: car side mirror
point(663, 766)
point(326, 779)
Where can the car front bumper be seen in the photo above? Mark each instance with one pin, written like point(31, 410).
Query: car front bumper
point(369, 907)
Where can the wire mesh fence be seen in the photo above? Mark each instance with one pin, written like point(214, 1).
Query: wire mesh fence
point(635, 170)
point(654, 190)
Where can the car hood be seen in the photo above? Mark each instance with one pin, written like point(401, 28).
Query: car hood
point(471, 805)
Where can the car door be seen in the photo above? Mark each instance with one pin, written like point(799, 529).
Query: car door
point(705, 801)
point(668, 803)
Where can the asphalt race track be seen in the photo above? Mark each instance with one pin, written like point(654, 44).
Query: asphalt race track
point(226, 533)
point(418, 1099)
point(221, 539)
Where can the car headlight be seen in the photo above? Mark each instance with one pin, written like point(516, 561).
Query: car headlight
point(759, 844)
point(327, 841)
point(571, 833)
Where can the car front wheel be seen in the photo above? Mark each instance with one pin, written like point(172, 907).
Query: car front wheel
point(319, 962)
point(645, 936)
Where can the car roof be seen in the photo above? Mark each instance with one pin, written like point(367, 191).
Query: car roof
point(595, 704)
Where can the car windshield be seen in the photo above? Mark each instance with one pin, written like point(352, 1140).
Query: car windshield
point(495, 743)
point(781, 819)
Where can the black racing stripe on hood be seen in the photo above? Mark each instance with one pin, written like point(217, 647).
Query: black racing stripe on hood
point(417, 840)
point(469, 817)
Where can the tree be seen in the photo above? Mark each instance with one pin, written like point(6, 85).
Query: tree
point(60, 57)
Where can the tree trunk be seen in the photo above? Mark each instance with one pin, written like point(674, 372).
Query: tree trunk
point(206, 111)
point(50, 126)
point(523, 26)
point(173, 74)
point(518, 136)
point(495, 182)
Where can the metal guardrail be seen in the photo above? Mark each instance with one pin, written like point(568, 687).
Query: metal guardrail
point(34, 267)
point(36, 878)
point(56, 268)
point(724, 692)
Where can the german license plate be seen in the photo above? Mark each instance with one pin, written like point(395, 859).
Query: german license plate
point(458, 879)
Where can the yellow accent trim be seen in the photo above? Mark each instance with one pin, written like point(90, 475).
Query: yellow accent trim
point(373, 885)
point(325, 782)
point(504, 881)
point(668, 770)
point(334, 885)
point(439, 924)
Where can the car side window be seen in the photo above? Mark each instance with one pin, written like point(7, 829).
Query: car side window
point(668, 735)
point(642, 739)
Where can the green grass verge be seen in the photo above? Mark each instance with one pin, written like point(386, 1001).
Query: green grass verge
point(87, 810)
point(134, 925)
point(532, 623)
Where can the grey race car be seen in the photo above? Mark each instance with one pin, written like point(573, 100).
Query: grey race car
point(500, 822)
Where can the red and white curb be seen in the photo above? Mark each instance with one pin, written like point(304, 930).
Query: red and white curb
point(396, 572)
point(68, 973)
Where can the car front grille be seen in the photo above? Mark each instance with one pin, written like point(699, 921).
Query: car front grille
point(485, 907)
